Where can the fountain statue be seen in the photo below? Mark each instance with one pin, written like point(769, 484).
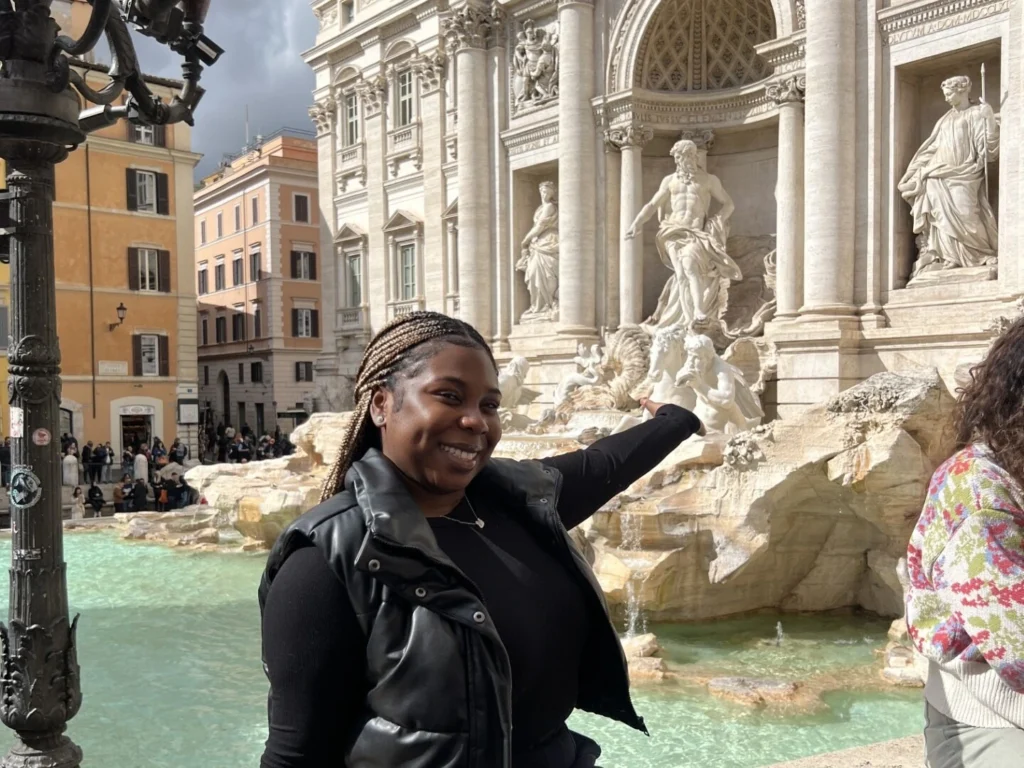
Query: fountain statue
point(691, 243)
point(946, 185)
point(589, 364)
point(511, 381)
point(539, 261)
point(724, 400)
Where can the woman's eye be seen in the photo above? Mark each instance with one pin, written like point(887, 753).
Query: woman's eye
point(492, 406)
point(451, 397)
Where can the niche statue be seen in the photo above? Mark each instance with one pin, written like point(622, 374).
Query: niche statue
point(539, 261)
point(946, 185)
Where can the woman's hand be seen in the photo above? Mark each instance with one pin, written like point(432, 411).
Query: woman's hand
point(652, 408)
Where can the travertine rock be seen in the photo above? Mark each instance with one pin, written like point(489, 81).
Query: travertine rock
point(812, 519)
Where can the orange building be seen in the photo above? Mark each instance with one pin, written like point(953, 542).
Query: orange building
point(123, 239)
point(257, 234)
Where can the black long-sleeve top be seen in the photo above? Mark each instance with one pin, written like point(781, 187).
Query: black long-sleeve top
point(313, 644)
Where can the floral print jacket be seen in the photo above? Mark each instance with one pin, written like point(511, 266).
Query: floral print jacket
point(965, 563)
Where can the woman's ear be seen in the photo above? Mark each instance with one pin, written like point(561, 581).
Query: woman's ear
point(380, 403)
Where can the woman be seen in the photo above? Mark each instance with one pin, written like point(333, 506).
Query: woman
point(139, 493)
point(96, 500)
point(77, 504)
point(432, 611)
point(965, 563)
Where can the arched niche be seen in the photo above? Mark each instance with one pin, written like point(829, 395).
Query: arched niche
point(705, 42)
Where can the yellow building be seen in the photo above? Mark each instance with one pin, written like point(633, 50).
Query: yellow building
point(258, 266)
point(123, 229)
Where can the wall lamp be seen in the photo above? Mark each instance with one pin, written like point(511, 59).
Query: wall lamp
point(251, 349)
point(122, 310)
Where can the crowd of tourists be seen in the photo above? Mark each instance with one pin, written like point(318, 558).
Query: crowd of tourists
point(226, 444)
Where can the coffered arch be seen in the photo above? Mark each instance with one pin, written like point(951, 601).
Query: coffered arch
point(694, 45)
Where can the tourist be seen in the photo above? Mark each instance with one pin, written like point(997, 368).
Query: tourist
point(108, 463)
point(122, 491)
point(5, 462)
point(140, 466)
point(965, 570)
point(139, 493)
point(495, 629)
point(96, 500)
point(69, 467)
point(77, 504)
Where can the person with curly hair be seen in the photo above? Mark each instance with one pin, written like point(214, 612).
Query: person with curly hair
point(433, 611)
point(965, 571)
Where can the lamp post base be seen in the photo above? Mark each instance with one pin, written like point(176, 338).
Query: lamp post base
point(48, 752)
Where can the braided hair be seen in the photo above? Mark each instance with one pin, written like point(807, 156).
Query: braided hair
point(398, 351)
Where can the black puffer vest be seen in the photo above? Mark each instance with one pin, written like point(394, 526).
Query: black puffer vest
point(437, 675)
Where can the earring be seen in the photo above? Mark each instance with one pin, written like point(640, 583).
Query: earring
point(380, 419)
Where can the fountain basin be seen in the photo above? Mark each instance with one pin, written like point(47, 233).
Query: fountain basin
point(170, 654)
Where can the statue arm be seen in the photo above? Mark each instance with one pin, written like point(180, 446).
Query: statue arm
point(649, 210)
point(724, 198)
point(725, 393)
point(987, 132)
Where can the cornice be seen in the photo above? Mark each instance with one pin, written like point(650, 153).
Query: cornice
point(669, 112)
point(373, 28)
point(116, 146)
point(520, 140)
point(926, 17)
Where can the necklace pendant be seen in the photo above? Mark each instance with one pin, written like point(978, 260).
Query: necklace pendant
point(479, 523)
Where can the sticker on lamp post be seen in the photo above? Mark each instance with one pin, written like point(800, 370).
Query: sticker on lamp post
point(41, 437)
point(17, 422)
point(26, 489)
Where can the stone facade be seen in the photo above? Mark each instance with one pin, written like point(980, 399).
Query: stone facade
point(439, 123)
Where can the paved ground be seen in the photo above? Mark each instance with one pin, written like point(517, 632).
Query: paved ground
point(902, 753)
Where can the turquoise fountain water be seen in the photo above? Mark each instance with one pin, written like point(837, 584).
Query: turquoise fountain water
point(170, 646)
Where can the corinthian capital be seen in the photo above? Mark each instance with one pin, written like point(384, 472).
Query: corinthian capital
point(468, 27)
point(371, 94)
point(322, 115)
point(788, 90)
point(631, 134)
point(429, 69)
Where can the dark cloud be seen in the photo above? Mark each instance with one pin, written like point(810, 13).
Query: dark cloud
point(262, 67)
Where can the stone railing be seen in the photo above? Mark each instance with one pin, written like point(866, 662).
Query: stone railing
point(399, 308)
point(352, 319)
point(350, 158)
point(404, 140)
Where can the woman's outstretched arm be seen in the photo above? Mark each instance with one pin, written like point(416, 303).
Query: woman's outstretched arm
point(591, 477)
point(315, 655)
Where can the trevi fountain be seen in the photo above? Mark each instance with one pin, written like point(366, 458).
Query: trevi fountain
point(797, 218)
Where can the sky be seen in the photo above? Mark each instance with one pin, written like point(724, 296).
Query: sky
point(262, 67)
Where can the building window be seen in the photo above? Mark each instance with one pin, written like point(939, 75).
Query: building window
point(150, 355)
point(303, 371)
point(407, 266)
point(143, 134)
point(241, 373)
point(260, 420)
point(238, 218)
point(206, 374)
point(220, 225)
point(241, 414)
point(405, 98)
point(355, 280)
point(302, 208)
point(203, 282)
point(303, 265)
point(147, 192)
point(205, 338)
point(149, 270)
point(351, 136)
point(255, 210)
point(202, 232)
point(257, 323)
point(256, 373)
point(255, 272)
point(238, 326)
point(218, 277)
point(220, 327)
point(348, 11)
point(237, 270)
point(305, 323)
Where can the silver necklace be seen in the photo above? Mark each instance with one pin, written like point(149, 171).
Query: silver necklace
point(477, 522)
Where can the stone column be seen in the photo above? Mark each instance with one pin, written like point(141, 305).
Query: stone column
point(429, 71)
point(577, 182)
point(631, 139)
point(453, 263)
point(504, 286)
point(830, 150)
point(612, 234)
point(789, 196)
point(466, 32)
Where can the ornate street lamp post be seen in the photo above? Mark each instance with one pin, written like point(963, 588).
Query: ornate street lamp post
point(40, 123)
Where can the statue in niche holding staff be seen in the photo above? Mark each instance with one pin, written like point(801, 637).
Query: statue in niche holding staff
point(539, 259)
point(691, 243)
point(535, 65)
point(946, 185)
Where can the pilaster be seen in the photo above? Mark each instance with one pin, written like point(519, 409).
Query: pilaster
point(631, 138)
point(788, 94)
